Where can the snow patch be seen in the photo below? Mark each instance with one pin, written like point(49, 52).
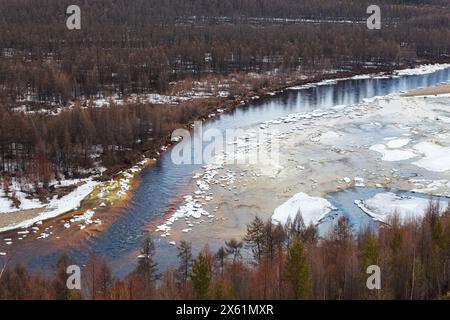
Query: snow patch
point(392, 154)
point(437, 158)
point(398, 143)
point(383, 205)
point(313, 209)
point(422, 69)
point(57, 206)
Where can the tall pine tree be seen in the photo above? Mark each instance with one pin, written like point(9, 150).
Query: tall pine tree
point(201, 278)
point(297, 273)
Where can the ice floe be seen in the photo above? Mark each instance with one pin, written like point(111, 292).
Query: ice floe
point(398, 143)
point(312, 209)
point(393, 154)
point(193, 207)
point(383, 205)
point(437, 187)
point(436, 157)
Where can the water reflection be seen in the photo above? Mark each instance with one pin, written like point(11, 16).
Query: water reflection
point(164, 181)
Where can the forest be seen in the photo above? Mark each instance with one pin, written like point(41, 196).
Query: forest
point(143, 46)
point(151, 46)
point(270, 262)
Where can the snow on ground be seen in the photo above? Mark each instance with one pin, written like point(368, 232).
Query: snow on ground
point(7, 206)
point(198, 91)
point(436, 158)
point(312, 209)
point(56, 206)
point(105, 193)
point(383, 205)
point(153, 98)
point(423, 69)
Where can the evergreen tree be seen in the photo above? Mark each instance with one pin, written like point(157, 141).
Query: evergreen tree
point(201, 277)
point(255, 237)
point(297, 271)
point(185, 257)
point(371, 252)
point(146, 269)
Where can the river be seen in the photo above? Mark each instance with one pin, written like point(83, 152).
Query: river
point(164, 181)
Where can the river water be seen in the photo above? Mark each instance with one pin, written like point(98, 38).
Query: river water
point(164, 181)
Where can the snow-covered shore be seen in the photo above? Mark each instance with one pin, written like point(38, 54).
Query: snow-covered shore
point(419, 70)
point(53, 208)
point(322, 129)
point(104, 193)
point(386, 141)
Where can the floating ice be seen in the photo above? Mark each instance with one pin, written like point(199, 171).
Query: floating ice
point(437, 158)
point(398, 143)
point(383, 205)
point(313, 209)
point(392, 154)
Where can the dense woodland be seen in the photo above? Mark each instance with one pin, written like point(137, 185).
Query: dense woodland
point(271, 262)
point(141, 46)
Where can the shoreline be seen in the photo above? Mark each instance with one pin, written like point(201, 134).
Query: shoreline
point(103, 196)
point(229, 105)
point(439, 89)
point(330, 148)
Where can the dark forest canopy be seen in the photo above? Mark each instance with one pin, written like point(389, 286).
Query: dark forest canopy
point(142, 46)
point(272, 262)
point(162, 10)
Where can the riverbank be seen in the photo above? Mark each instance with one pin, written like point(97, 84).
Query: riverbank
point(390, 142)
point(227, 213)
point(434, 90)
point(247, 88)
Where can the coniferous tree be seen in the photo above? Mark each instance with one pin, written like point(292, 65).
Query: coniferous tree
point(255, 237)
point(185, 261)
point(297, 271)
point(200, 276)
point(146, 269)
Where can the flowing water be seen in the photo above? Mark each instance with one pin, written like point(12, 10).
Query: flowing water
point(164, 181)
